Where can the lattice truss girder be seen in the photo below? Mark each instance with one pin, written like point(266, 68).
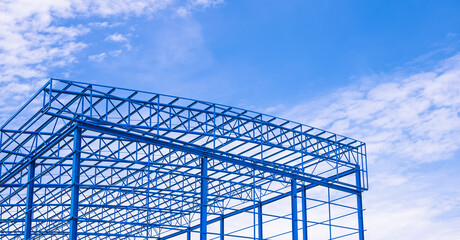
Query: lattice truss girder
point(140, 172)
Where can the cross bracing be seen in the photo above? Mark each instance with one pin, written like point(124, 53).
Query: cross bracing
point(84, 161)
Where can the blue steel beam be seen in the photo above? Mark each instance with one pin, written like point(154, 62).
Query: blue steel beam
point(208, 130)
point(272, 146)
point(244, 161)
point(251, 207)
point(147, 104)
point(40, 150)
point(39, 129)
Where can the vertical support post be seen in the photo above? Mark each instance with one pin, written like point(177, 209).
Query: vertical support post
point(91, 100)
point(329, 210)
point(304, 213)
point(51, 91)
point(29, 202)
point(359, 205)
point(261, 232)
point(204, 199)
point(295, 228)
point(75, 184)
point(189, 234)
point(222, 225)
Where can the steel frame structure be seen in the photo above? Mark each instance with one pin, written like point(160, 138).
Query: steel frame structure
point(86, 161)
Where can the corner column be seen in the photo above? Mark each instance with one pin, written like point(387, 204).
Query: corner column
point(359, 205)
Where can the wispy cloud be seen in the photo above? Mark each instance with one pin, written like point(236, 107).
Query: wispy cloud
point(116, 37)
point(411, 124)
point(34, 40)
point(180, 45)
point(416, 116)
point(97, 57)
point(101, 56)
point(186, 9)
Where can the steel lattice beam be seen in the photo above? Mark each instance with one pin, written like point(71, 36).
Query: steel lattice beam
point(103, 162)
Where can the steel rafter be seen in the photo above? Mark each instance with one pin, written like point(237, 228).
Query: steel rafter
point(86, 161)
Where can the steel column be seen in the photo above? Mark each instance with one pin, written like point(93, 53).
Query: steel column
point(329, 211)
point(295, 228)
point(204, 199)
point(359, 205)
point(222, 230)
point(261, 235)
point(29, 202)
point(304, 213)
point(75, 184)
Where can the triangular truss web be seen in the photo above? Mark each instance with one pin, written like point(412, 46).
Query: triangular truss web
point(85, 161)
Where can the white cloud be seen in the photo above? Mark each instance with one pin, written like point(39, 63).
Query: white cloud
point(101, 56)
point(97, 57)
point(411, 126)
point(33, 39)
point(182, 12)
point(180, 45)
point(115, 53)
point(416, 116)
point(116, 37)
point(104, 24)
point(185, 10)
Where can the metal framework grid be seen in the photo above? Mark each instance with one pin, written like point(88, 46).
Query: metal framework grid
point(85, 161)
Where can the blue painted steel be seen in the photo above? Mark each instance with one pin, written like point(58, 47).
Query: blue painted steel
point(243, 161)
point(142, 165)
point(304, 213)
point(29, 201)
point(204, 199)
point(260, 222)
point(251, 207)
point(329, 211)
point(222, 228)
point(75, 184)
point(294, 220)
point(359, 201)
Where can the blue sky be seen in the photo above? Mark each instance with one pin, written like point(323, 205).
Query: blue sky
point(385, 72)
point(283, 51)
